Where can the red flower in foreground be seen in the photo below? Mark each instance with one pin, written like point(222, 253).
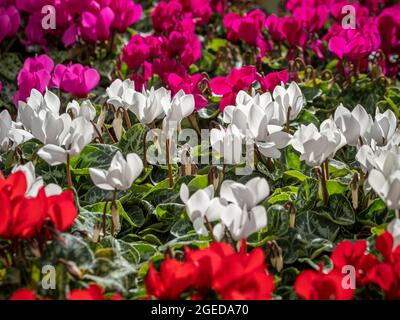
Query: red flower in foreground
point(173, 279)
point(238, 79)
point(354, 254)
point(316, 285)
point(386, 274)
point(93, 292)
point(23, 294)
point(24, 217)
point(231, 275)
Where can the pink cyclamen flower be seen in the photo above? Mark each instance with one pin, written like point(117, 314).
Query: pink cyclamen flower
point(9, 22)
point(273, 79)
point(247, 28)
point(238, 79)
point(136, 52)
point(355, 44)
point(31, 5)
point(273, 25)
point(75, 79)
point(126, 13)
point(35, 74)
point(313, 18)
point(190, 85)
point(97, 27)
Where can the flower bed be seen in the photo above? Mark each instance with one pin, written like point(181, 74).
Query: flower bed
point(200, 149)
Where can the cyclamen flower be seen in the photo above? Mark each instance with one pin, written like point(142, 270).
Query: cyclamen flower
point(97, 26)
point(11, 134)
point(92, 292)
point(24, 217)
point(237, 80)
point(316, 146)
point(147, 105)
point(75, 79)
point(74, 139)
point(85, 110)
point(317, 285)
point(290, 100)
point(247, 28)
point(120, 93)
point(385, 274)
point(386, 182)
point(354, 124)
point(273, 79)
point(35, 74)
point(121, 174)
point(228, 143)
point(233, 276)
point(190, 85)
point(180, 107)
point(237, 209)
point(126, 14)
point(9, 22)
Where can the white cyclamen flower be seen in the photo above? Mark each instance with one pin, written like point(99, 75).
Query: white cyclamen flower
point(352, 124)
point(121, 174)
point(242, 215)
point(78, 135)
point(28, 112)
point(85, 110)
point(120, 93)
point(316, 146)
point(147, 105)
point(34, 184)
point(10, 135)
point(228, 143)
point(181, 106)
point(290, 100)
point(382, 129)
point(201, 207)
point(386, 181)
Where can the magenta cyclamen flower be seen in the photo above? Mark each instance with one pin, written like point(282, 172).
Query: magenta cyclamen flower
point(238, 79)
point(35, 74)
point(273, 79)
point(355, 44)
point(190, 85)
point(247, 28)
point(9, 22)
point(126, 12)
point(97, 27)
point(75, 79)
point(313, 19)
point(31, 5)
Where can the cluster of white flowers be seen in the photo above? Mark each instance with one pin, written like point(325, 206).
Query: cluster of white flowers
point(152, 104)
point(237, 210)
point(258, 118)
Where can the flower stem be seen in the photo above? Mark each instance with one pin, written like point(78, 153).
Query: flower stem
point(145, 164)
point(127, 119)
point(325, 194)
point(170, 177)
point(326, 169)
point(114, 213)
point(210, 230)
point(69, 177)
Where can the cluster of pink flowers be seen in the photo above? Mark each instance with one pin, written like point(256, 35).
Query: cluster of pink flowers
point(247, 28)
point(306, 29)
point(39, 73)
point(172, 49)
point(90, 20)
point(9, 19)
point(242, 79)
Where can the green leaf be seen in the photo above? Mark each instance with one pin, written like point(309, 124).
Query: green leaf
point(336, 187)
point(133, 140)
point(340, 211)
point(296, 175)
point(278, 220)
